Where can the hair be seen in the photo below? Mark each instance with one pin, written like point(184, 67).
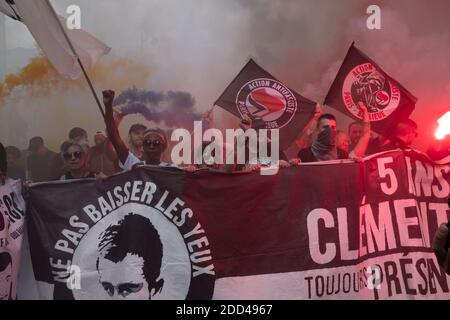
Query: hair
point(134, 234)
point(100, 133)
point(14, 151)
point(137, 127)
point(37, 141)
point(3, 162)
point(328, 116)
point(354, 123)
point(5, 261)
point(76, 132)
point(340, 132)
point(67, 144)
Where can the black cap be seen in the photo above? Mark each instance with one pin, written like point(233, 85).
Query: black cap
point(35, 143)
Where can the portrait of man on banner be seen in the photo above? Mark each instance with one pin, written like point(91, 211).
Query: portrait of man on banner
point(129, 266)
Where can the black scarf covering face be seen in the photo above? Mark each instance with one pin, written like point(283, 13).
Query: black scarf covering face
point(324, 147)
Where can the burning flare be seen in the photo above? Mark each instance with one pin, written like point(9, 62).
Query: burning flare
point(444, 126)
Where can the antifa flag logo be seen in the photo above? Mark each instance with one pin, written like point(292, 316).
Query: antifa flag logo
point(266, 102)
point(370, 87)
point(254, 92)
point(360, 79)
point(366, 84)
point(267, 99)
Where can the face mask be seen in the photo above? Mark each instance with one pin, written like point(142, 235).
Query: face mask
point(327, 137)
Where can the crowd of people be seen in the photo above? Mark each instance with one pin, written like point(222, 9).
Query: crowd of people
point(319, 141)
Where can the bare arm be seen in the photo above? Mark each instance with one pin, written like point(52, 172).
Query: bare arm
point(111, 126)
point(302, 140)
point(361, 147)
point(208, 117)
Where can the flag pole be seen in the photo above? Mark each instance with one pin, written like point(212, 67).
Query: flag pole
point(77, 57)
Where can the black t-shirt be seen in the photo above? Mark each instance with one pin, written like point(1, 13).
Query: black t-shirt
point(69, 176)
point(16, 172)
point(39, 166)
point(375, 146)
point(306, 155)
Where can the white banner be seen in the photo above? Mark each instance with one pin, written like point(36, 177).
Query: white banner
point(12, 213)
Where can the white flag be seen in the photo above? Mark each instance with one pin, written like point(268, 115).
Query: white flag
point(37, 15)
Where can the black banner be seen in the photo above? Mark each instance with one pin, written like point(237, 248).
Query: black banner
point(317, 231)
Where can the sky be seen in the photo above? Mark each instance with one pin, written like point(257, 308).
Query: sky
point(198, 46)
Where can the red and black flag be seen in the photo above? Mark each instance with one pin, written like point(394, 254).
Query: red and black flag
point(256, 93)
point(361, 79)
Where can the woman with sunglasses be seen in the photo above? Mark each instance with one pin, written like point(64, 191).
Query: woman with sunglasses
point(155, 140)
point(74, 154)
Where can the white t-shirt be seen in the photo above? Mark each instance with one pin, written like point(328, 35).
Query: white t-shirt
point(132, 160)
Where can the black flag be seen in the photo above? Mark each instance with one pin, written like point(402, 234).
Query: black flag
point(361, 79)
point(255, 92)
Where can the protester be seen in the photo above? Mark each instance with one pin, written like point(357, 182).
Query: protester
point(155, 140)
point(136, 140)
point(99, 138)
point(404, 134)
point(75, 158)
point(102, 157)
point(439, 246)
point(304, 139)
point(78, 134)
point(342, 141)
point(15, 169)
point(355, 132)
point(39, 161)
point(253, 159)
point(58, 166)
point(324, 146)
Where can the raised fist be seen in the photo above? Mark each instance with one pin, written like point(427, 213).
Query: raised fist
point(108, 97)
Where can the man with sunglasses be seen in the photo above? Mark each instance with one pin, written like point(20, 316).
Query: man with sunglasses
point(155, 140)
